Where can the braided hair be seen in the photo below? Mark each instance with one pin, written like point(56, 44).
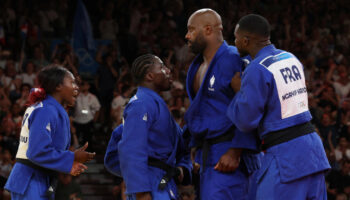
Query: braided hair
point(141, 66)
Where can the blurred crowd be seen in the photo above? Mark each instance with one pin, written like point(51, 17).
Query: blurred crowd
point(317, 32)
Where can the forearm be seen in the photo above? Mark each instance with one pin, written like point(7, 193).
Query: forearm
point(235, 152)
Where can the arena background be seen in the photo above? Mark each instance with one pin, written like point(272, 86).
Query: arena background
point(98, 40)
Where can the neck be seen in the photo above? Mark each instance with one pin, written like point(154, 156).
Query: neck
point(211, 50)
point(258, 47)
point(58, 98)
point(150, 86)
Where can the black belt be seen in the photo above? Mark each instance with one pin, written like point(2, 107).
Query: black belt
point(285, 135)
point(53, 175)
point(170, 171)
point(205, 145)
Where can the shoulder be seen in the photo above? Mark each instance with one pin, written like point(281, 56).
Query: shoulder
point(92, 96)
point(118, 98)
point(230, 60)
point(256, 69)
point(231, 54)
point(141, 102)
point(43, 110)
point(117, 132)
point(146, 108)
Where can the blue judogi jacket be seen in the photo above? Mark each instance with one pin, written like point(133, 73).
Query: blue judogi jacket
point(273, 97)
point(149, 131)
point(111, 159)
point(45, 140)
point(206, 117)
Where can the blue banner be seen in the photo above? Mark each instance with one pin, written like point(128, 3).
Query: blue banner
point(83, 41)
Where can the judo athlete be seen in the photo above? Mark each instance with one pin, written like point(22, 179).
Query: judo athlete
point(45, 138)
point(272, 99)
point(218, 143)
point(152, 153)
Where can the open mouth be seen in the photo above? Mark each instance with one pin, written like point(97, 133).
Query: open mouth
point(75, 94)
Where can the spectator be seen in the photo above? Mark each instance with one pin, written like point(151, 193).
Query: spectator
point(342, 151)
point(48, 17)
point(341, 82)
point(4, 99)
point(106, 76)
point(328, 131)
point(338, 180)
point(87, 110)
point(5, 79)
point(15, 89)
point(341, 196)
point(29, 75)
point(11, 68)
point(17, 113)
point(23, 100)
point(108, 27)
point(328, 100)
point(39, 58)
point(118, 105)
point(6, 164)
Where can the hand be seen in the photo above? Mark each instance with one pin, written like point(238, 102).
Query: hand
point(180, 178)
point(143, 196)
point(229, 162)
point(77, 168)
point(196, 166)
point(193, 153)
point(236, 82)
point(82, 156)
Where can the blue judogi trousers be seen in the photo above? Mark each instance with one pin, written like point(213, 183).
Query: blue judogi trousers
point(270, 187)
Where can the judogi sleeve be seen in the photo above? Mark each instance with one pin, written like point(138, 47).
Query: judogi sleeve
point(247, 108)
point(40, 149)
point(245, 140)
point(111, 159)
point(133, 147)
point(240, 140)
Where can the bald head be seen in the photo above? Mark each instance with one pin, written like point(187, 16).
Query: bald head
point(206, 17)
point(204, 30)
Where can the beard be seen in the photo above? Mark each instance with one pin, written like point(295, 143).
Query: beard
point(242, 52)
point(198, 45)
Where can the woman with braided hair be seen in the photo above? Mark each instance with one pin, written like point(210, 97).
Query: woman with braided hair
point(151, 151)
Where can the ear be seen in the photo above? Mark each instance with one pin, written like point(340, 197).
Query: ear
point(149, 76)
point(245, 41)
point(59, 87)
point(208, 29)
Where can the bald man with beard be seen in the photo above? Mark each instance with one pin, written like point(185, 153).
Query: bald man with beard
point(218, 145)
